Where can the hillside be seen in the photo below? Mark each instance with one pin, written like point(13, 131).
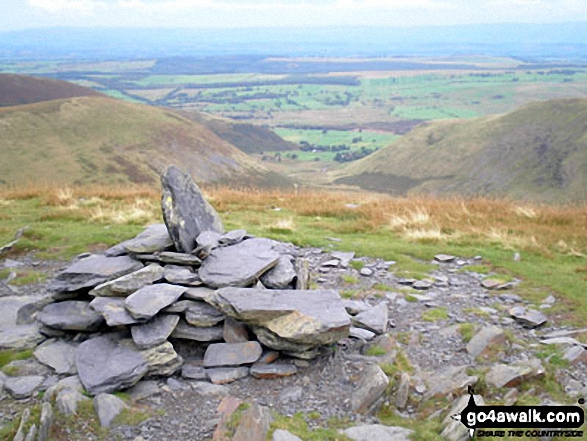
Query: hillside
point(249, 138)
point(95, 140)
point(21, 89)
point(538, 152)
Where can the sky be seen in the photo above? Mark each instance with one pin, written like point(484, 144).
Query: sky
point(26, 14)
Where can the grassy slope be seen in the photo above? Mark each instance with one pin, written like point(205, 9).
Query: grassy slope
point(538, 152)
point(95, 140)
point(247, 137)
point(21, 89)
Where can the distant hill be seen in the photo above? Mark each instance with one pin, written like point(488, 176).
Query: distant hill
point(96, 140)
point(538, 152)
point(21, 89)
point(249, 138)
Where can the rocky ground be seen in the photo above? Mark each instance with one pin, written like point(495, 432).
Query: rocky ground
point(454, 329)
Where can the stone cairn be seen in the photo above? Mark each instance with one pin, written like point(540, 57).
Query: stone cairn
point(186, 286)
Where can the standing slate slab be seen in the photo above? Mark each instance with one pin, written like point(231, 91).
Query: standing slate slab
point(185, 211)
point(238, 265)
point(92, 271)
point(106, 365)
point(148, 301)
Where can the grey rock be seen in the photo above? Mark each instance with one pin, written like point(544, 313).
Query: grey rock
point(334, 263)
point(529, 318)
point(444, 258)
point(125, 285)
point(281, 276)
point(155, 331)
point(154, 238)
point(178, 307)
point(204, 315)
point(370, 390)
point(28, 367)
point(232, 237)
point(234, 331)
point(378, 432)
point(72, 383)
point(113, 309)
point(11, 306)
point(208, 240)
point(403, 390)
point(148, 301)
point(575, 355)
point(200, 293)
point(291, 394)
point(354, 307)
point(361, 334)
point(345, 258)
point(185, 210)
point(20, 388)
point(108, 407)
point(24, 419)
point(502, 375)
point(373, 319)
point(71, 315)
point(306, 319)
point(93, 271)
point(489, 337)
point(455, 430)
point(209, 390)
point(366, 272)
point(273, 370)
point(284, 435)
point(67, 401)
point(238, 265)
point(58, 355)
point(193, 371)
point(422, 284)
point(179, 258)
point(303, 281)
point(561, 341)
point(32, 434)
point(174, 384)
point(254, 424)
point(186, 331)
point(232, 354)
point(144, 389)
point(182, 275)
point(20, 337)
point(105, 365)
point(226, 375)
point(45, 421)
point(450, 380)
point(162, 360)
point(492, 284)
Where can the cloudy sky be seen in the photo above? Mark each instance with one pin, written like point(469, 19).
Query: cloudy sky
point(22, 14)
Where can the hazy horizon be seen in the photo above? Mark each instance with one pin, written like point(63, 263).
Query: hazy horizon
point(230, 14)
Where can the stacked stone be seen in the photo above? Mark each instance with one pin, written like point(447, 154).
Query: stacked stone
point(120, 317)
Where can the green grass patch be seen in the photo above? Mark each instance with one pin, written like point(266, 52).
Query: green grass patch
point(78, 427)
point(349, 280)
point(480, 269)
point(467, 331)
point(357, 264)
point(375, 351)
point(9, 356)
point(435, 314)
point(298, 425)
point(424, 430)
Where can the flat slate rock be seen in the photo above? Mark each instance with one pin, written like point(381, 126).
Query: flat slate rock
point(529, 318)
point(226, 375)
point(20, 337)
point(234, 331)
point(179, 258)
point(378, 432)
point(504, 375)
point(93, 271)
point(185, 331)
point(178, 307)
point(232, 237)
point(148, 301)
point(444, 258)
point(284, 435)
point(274, 370)
point(204, 315)
point(193, 371)
point(309, 318)
point(232, 354)
point(155, 238)
point(162, 360)
point(106, 365)
point(373, 319)
point(185, 210)
point(181, 275)
point(489, 337)
point(155, 331)
point(71, 315)
point(239, 265)
point(108, 407)
point(361, 333)
point(58, 355)
point(281, 276)
point(371, 388)
point(199, 293)
point(208, 240)
point(125, 285)
point(20, 388)
point(344, 257)
point(113, 309)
